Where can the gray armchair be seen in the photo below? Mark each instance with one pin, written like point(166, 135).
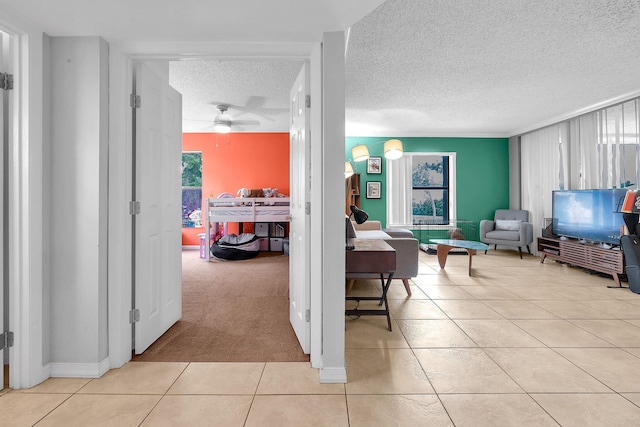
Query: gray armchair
point(509, 227)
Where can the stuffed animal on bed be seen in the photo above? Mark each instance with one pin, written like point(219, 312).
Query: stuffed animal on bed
point(250, 192)
point(270, 192)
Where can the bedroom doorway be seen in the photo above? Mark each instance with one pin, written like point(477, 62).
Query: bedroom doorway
point(224, 145)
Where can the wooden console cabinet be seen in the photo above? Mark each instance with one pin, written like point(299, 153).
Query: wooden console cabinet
point(591, 256)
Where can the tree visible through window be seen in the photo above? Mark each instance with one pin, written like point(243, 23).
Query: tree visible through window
point(192, 189)
point(430, 189)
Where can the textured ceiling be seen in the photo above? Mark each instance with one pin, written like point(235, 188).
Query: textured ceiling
point(125, 21)
point(257, 93)
point(487, 67)
point(413, 67)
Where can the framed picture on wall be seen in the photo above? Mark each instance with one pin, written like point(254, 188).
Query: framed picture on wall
point(374, 165)
point(373, 189)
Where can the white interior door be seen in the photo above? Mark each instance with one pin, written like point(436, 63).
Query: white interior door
point(5, 284)
point(158, 233)
point(299, 277)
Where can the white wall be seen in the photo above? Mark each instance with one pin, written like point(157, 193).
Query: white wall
point(332, 219)
point(77, 215)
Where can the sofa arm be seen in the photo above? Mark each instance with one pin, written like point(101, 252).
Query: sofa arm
point(406, 257)
point(368, 225)
point(486, 225)
point(526, 233)
point(398, 232)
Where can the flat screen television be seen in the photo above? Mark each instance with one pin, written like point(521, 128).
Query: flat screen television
point(591, 215)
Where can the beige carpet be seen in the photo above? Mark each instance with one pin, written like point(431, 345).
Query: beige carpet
point(232, 311)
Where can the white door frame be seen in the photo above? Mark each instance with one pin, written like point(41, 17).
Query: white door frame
point(121, 59)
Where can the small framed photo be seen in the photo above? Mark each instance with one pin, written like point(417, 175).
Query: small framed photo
point(374, 165)
point(373, 190)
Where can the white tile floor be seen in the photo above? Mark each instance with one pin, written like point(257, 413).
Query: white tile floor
point(518, 343)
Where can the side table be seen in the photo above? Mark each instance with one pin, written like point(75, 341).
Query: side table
point(371, 256)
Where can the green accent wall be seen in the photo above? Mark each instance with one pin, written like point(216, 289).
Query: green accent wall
point(482, 173)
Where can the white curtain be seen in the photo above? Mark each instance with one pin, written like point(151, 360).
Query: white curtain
point(596, 150)
point(544, 169)
point(584, 152)
point(399, 213)
point(605, 148)
point(618, 141)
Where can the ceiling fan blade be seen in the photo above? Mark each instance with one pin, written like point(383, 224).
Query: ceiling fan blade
point(245, 123)
point(253, 106)
point(200, 125)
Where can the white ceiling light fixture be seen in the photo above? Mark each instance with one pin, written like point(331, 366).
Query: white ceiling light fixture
point(393, 149)
point(360, 153)
point(222, 122)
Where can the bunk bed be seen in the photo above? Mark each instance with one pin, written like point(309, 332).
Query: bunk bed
point(223, 210)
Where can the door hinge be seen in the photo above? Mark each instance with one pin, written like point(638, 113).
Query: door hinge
point(135, 101)
point(6, 340)
point(307, 316)
point(307, 208)
point(134, 315)
point(307, 101)
point(134, 208)
point(6, 81)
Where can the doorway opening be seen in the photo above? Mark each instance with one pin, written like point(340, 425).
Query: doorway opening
point(231, 161)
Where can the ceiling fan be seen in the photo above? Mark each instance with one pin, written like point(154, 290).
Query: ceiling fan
point(255, 105)
point(223, 120)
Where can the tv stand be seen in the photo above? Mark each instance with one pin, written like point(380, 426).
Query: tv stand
point(591, 256)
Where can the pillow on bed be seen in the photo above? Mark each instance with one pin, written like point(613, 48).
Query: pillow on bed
point(508, 224)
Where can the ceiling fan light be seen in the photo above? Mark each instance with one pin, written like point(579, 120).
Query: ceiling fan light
point(222, 127)
point(222, 122)
point(393, 149)
point(360, 153)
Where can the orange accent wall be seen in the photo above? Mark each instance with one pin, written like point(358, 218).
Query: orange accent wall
point(236, 160)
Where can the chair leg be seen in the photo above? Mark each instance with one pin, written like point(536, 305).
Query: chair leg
point(495, 247)
point(406, 286)
point(520, 251)
point(528, 250)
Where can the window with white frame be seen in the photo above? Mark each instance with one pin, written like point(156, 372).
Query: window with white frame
point(192, 189)
point(421, 189)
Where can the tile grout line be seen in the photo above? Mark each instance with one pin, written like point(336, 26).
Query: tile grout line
point(255, 393)
point(164, 394)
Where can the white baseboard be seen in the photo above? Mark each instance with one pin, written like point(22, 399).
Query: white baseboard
point(79, 370)
point(333, 375)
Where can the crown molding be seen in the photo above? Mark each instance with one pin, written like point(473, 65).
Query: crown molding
point(575, 113)
point(218, 50)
